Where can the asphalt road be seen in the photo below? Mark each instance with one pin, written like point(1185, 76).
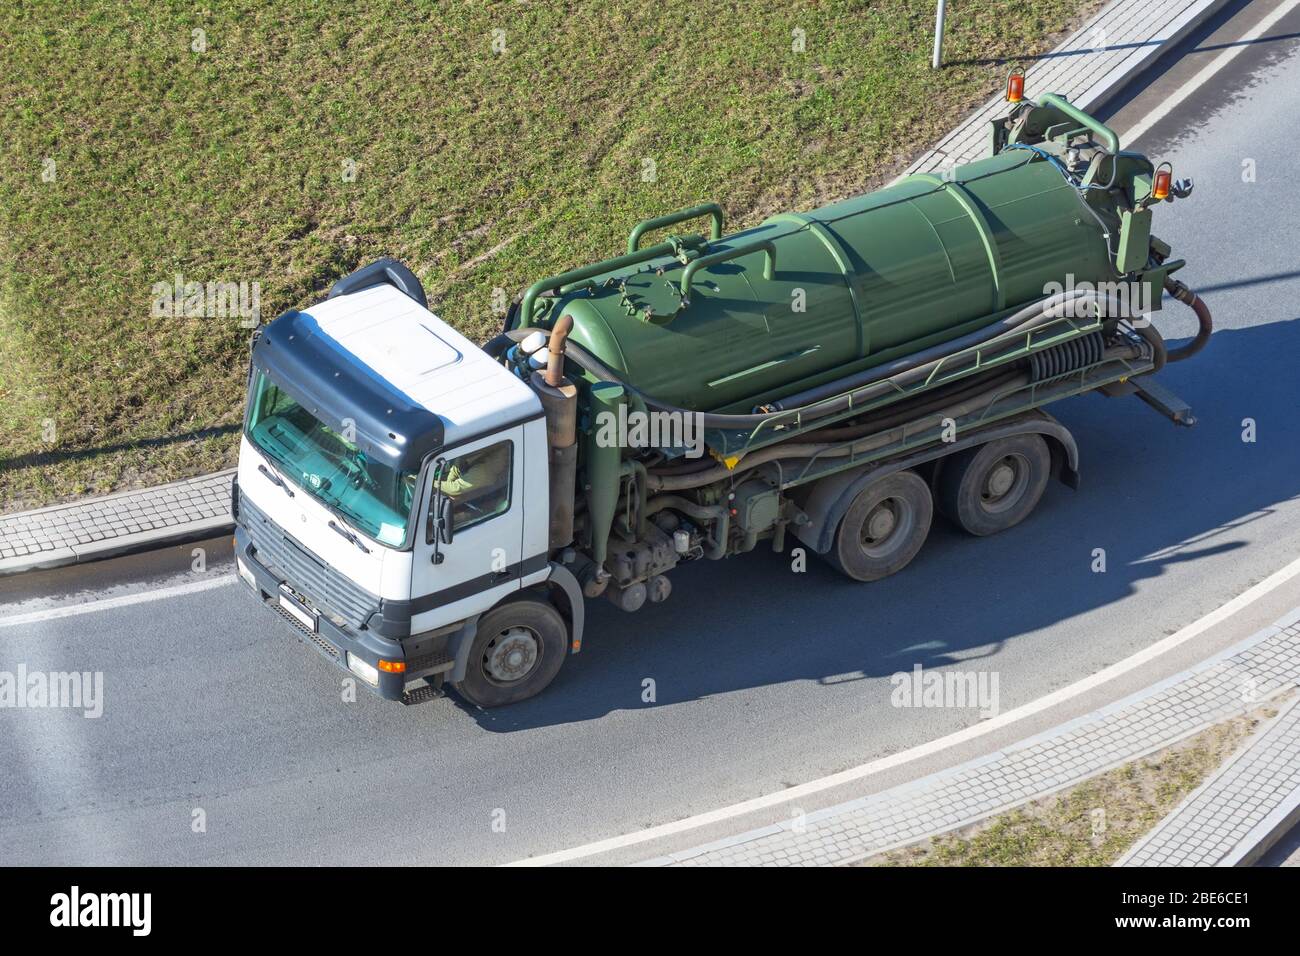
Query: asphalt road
point(763, 677)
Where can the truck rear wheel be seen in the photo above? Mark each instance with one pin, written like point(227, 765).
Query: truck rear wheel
point(517, 651)
point(992, 487)
point(884, 528)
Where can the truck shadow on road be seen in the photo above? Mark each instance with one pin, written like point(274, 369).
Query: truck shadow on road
point(1153, 496)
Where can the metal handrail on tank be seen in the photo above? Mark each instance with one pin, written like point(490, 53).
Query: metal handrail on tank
point(1109, 138)
point(525, 315)
point(710, 209)
point(726, 255)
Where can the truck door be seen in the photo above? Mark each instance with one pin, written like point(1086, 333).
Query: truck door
point(483, 480)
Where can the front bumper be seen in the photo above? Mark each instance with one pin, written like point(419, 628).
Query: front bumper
point(334, 641)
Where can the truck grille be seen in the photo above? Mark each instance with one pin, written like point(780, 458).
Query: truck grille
point(328, 589)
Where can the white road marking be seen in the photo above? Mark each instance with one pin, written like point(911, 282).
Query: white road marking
point(126, 600)
point(1170, 103)
point(973, 732)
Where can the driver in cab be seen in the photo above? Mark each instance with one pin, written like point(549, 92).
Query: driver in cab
point(469, 477)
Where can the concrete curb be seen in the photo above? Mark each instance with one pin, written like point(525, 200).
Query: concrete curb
point(1199, 812)
point(1262, 839)
point(116, 524)
point(1265, 612)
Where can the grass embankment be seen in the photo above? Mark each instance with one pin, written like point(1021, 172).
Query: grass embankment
point(1092, 823)
point(128, 156)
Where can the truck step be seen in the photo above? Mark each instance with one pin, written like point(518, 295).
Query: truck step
point(1164, 401)
point(421, 695)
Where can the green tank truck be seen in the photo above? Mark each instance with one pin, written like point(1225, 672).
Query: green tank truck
point(835, 375)
point(856, 366)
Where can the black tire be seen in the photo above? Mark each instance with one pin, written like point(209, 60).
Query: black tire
point(884, 528)
point(517, 651)
point(993, 487)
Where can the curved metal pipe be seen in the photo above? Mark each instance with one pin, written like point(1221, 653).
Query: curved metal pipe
point(1205, 322)
point(524, 317)
point(555, 350)
point(1107, 135)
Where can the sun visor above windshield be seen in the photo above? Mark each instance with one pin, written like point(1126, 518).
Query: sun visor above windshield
point(337, 388)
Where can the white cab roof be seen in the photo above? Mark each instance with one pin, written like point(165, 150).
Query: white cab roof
point(426, 359)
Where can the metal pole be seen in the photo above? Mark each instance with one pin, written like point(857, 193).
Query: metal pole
point(937, 60)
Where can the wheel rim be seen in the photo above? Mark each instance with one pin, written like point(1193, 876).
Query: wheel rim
point(888, 524)
point(512, 655)
point(1004, 483)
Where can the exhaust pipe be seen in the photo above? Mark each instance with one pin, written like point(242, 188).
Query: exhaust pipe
point(559, 399)
point(555, 350)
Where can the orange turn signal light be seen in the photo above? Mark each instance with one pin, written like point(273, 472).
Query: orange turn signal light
point(1015, 87)
point(392, 667)
point(1160, 184)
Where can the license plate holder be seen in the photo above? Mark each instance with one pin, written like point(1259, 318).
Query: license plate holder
point(301, 613)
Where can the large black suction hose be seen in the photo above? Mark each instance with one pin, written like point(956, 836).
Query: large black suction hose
point(911, 367)
point(899, 372)
point(1205, 322)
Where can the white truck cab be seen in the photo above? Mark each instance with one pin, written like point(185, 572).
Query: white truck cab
point(392, 489)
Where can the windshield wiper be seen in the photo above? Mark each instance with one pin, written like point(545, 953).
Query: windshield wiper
point(349, 535)
point(276, 479)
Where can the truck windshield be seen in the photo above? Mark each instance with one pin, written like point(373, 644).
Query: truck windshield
point(369, 495)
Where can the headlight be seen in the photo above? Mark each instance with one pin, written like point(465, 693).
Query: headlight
point(246, 574)
point(366, 672)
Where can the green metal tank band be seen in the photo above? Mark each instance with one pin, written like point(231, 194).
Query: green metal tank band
point(967, 203)
point(836, 248)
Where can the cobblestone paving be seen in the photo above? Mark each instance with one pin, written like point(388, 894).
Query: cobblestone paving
point(64, 534)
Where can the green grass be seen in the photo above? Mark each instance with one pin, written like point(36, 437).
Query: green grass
point(1067, 830)
point(480, 170)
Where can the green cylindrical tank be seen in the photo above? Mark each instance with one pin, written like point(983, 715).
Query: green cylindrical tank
point(854, 284)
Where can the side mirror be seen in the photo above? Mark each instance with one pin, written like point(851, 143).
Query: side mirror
point(445, 520)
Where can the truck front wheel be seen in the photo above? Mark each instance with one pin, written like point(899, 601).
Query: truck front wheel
point(992, 487)
point(884, 527)
point(517, 651)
